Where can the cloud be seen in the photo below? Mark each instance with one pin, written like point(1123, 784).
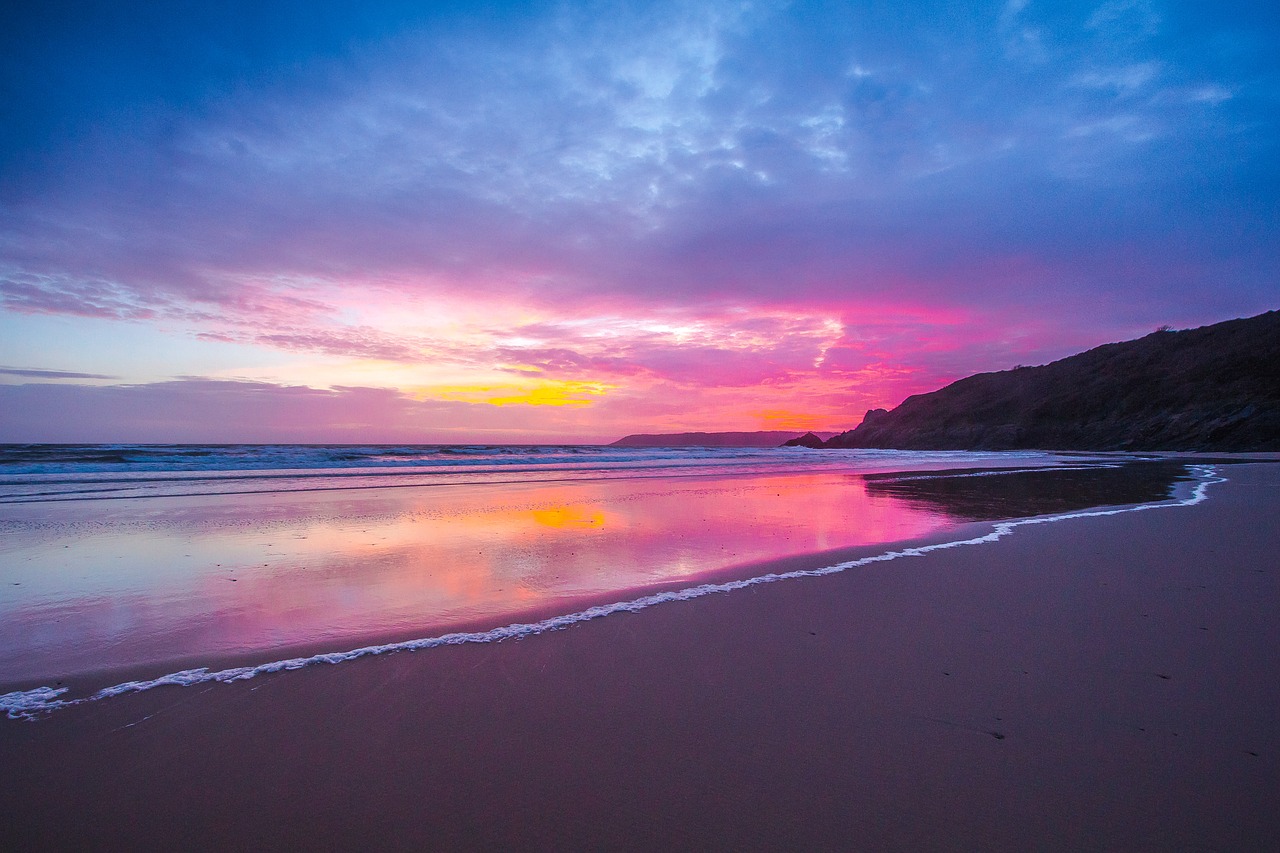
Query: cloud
point(1125, 80)
point(602, 380)
point(1128, 18)
point(205, 410)
point(362, 187)
point(587, 155)
point(64, 294)
point(43, 373)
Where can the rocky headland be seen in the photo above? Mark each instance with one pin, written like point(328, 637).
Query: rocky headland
point(1215, 388)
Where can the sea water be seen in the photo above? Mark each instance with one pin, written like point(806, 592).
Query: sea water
point(145, 558)
point(79, 472)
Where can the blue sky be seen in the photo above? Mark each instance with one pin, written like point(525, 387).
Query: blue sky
point(570, 221)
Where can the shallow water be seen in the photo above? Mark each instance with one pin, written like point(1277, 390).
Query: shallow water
point(121, 582)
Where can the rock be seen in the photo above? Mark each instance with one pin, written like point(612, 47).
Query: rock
point(1216, 388)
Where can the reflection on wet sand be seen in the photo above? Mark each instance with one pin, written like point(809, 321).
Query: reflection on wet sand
point(114, 584)
point(111, 584)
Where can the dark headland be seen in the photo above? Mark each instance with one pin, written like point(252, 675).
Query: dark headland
point(1215, 388)
point(763, 438)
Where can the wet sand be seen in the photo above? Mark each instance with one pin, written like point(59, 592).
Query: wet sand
point(154, 585)
point(1100, 683)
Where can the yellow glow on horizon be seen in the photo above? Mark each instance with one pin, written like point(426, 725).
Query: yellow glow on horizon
point(545, 392)
point(781, 419)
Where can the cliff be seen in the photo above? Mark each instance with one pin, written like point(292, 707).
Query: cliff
point(1212, 388)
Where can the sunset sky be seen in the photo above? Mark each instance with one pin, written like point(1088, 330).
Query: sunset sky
point(435, 222)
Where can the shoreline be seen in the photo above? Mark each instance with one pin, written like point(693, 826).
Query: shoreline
point(144, 589)
point(90, 681)
point(29, 702)
point(1103, 683)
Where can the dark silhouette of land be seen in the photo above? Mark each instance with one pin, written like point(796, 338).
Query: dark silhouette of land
point(1215, 388)
point(764, 438)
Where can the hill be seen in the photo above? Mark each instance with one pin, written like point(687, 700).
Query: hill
point(764, 438)
point(1212, 388)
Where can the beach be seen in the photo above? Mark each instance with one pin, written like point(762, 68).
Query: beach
point(640, 426)
point(1103, 682)
point(125, 562)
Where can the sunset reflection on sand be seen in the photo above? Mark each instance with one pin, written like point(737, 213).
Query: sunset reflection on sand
point(107, 584)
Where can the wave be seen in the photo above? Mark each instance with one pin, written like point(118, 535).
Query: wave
point(31, 704)
point(56, 472)
point(136, 458)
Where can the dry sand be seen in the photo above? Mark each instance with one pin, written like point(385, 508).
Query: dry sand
point(1096, 684)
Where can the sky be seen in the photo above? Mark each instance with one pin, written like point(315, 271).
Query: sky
point(543, 222)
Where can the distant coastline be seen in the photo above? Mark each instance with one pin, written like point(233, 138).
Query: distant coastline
point(762, 438)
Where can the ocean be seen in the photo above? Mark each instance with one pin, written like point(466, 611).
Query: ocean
point(102, 471)
point(126, 567)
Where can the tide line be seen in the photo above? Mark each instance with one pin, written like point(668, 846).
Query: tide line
point(34, 703)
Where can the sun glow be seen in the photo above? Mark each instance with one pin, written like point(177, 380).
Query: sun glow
point(781, 419)
point(542, 393)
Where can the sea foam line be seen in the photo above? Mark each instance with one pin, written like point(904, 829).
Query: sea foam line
point(29, 704)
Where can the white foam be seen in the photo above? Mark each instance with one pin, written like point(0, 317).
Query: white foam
point(28, 704)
